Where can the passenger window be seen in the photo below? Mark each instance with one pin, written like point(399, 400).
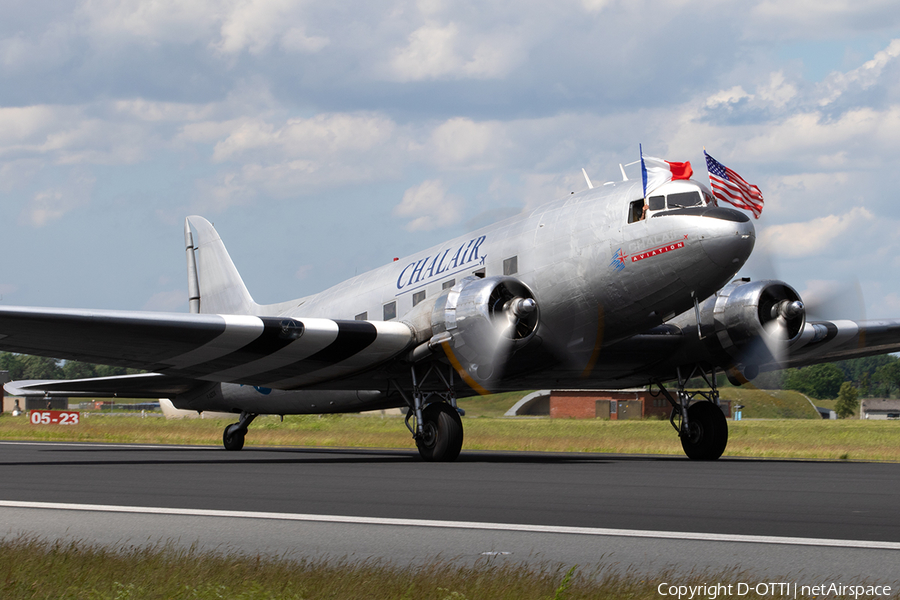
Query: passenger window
point(511, 265)
point(390, 310)
point(418, 297)
point(448, 284)
point(362, 316)
point(657, 202)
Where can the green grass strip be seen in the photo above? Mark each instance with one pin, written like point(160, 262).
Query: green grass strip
point(779, 438)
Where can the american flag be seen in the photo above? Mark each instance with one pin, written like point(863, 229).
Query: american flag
point(730, 187)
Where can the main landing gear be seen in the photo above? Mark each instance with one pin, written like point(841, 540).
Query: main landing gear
point(438, 431)
point(233, 437)
point(701, 425)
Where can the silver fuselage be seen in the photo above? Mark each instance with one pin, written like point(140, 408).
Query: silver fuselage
point(596, 277)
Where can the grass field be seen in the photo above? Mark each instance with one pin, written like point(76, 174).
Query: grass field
point(779, 438)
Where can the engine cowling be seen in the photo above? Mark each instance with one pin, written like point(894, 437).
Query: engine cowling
point(486, 320)
point(745, 311)
point(747, 324)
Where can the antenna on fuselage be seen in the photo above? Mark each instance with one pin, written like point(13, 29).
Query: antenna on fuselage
point(622, 168)
point(588, 179)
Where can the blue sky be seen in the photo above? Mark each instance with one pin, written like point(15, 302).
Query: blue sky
point(323, 139)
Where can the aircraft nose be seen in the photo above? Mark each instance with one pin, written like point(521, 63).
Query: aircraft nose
point(728, 238)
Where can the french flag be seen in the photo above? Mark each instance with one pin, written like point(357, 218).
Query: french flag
point(656, 171)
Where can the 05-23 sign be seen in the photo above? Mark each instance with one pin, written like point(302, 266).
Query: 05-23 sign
point(54, 417)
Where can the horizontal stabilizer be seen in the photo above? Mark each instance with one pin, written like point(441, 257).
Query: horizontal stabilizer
point(143, 385)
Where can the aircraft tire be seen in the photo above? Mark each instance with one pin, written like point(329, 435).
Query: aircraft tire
point(233, 437)
point(708, 435)
point(443, 436)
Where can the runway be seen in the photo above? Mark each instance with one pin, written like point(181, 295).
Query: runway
point(799, 519)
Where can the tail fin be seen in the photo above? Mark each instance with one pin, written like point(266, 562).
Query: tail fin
point(215, 285)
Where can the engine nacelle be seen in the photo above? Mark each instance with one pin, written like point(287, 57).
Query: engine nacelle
point(748, 323)
point(485, 320)
point(744, 311)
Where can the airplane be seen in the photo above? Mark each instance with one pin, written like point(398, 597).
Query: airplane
point(589, 291)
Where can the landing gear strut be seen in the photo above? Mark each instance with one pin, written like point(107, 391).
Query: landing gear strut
point(439, 431)
point(233, 437)
point(702, 426)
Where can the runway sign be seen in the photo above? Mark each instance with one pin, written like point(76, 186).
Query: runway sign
point(55, 417)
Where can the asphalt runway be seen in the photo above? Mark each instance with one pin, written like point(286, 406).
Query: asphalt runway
point(794, 520)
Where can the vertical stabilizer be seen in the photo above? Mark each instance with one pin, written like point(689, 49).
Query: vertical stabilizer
point(221, 289)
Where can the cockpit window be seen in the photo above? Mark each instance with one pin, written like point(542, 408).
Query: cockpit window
point(657, 202)
point(684, 199)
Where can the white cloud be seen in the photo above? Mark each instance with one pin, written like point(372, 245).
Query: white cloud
point(53, 203)
point(255, 25)
point(429, 206)
point(296, 40)
point(727, 97)
point(153, 21)
point(862, 78)
point(778, 91)
point(812, 238)
point(460, 141)
point(324, 134)
point(443, 51)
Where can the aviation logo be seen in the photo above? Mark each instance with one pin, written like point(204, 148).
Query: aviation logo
point(618, 260)
point(651, 252)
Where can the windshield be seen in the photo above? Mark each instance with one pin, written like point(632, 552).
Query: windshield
point(684, 200)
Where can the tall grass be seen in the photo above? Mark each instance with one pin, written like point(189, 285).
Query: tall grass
point(33, 569)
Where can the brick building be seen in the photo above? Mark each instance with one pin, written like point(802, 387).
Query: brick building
point(615, 405)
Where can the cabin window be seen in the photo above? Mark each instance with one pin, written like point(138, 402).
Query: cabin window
point(390, 310)
point(479, 273)
point(635, 210)
point(511, 266)
point(657, 202)
point(684, 200)
point(418, 297)
point(362, 316)
point(448, 284)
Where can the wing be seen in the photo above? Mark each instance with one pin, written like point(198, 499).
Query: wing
point(828, 341)
point(275, 352)
point(657, 354)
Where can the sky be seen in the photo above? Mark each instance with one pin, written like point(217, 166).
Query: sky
point(323, 139)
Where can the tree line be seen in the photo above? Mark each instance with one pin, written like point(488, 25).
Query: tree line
point(872, 376)
point(846, 380)
point(24, 366)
